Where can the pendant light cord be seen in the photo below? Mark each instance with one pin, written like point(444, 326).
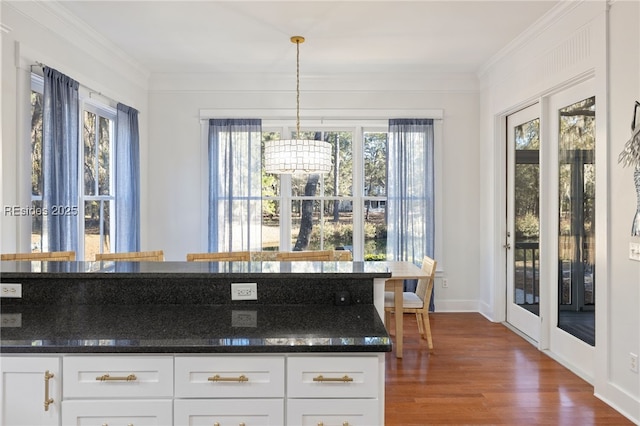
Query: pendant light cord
point(297, 89)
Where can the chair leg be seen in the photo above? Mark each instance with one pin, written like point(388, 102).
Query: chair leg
point(427, 328)
point(387, 321)
point(419, 321)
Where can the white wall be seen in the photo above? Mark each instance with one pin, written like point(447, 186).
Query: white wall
point(576, 43)
point(175, 150)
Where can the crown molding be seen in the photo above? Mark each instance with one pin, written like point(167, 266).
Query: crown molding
point(51, 14)
point(540, 26)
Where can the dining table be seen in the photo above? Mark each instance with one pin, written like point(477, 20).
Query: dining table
point(400, 271)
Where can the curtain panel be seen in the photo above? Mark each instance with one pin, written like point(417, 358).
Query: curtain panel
point(235, 184)
point(410, 199)
point(60, 162)
point(127, 180)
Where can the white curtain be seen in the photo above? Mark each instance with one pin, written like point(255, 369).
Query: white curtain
point(60, 162)
point(410, 220)
point(235, 184)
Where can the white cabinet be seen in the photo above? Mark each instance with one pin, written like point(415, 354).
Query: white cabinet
point(117, 390)
point(117, 376)
point(120, 412)
point(184, 389)
point(335, 390)
point(238, 390)
point(229, 376)
point(225, 412)
point(30, 391)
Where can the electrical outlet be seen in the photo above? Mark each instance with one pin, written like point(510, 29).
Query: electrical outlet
point(244, 291)
point(445, 283)
point(633, 362)
point(11, 290)
point(634, 251)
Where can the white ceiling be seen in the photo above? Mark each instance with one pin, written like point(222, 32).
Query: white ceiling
point(342, 36)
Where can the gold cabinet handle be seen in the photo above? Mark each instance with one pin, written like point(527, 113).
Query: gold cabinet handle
point(218, 378)
point(343, 423)
point(108, 378)
point(343, 379)
point(47, 400)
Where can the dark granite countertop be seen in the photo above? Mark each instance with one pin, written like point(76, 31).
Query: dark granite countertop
point(192, 329)
point(185, 307)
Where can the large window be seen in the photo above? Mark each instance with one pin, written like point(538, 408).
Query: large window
point(343, 209)
point(96, 203)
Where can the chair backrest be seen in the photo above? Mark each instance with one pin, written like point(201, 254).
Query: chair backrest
point(239, 256)
point(316, 255)
point(342, 255)
point(45, 256)
point(262, 256)
point(134, 256)
point(425, 285)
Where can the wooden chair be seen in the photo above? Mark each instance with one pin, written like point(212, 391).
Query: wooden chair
point(135, 256)
point(234, 256)
point(311, 255)
point(342, 255)
point(416, 303)
point(45, 256)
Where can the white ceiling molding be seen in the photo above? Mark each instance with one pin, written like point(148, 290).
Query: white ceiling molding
point(54, 17)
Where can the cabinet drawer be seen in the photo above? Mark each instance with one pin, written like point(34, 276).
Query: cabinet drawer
point(332, 377)
point(117, 412)
point(254, 412)
point(229, 377)
point(333, 412)
point(118, 376)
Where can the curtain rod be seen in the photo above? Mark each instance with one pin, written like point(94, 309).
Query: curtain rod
point(91, 91)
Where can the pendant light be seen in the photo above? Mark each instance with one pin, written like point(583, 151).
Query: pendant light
point(291, 156)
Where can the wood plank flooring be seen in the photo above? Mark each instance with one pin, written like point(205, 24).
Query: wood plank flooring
point(482, 373)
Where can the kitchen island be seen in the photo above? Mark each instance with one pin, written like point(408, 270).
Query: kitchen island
point(165, 339)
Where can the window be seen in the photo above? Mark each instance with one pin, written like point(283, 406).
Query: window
point(97, 199)
point(343, 209)
point(97, 195)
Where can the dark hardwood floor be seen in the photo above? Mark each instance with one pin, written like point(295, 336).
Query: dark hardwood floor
point(482, 373)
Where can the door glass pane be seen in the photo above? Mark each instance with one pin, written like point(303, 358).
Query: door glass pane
point(97, 225)
point(526, 216)
point(576, 233)
point(306, 234)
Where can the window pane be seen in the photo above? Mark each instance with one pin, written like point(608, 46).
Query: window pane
point(97, 220)
point(375, 229)
point(89, 138)
point(36, 143)
point(270, 224)
point(270, 181)
point(104, 157)
point(576, 233)
point(338, 225)
point(36, 226)
point(339, 181)
point(305, 220)
point(375, 164)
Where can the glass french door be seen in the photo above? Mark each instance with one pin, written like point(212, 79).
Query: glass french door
point(523, 221)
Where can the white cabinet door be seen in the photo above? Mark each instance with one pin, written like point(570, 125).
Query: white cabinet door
point(333, 412)
point(229, 376)
point(25, 388)
point(248, 412)
point(117, 413)
point(332, 377)
point(118, 376)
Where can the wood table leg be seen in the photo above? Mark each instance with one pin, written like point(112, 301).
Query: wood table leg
point(398, 290)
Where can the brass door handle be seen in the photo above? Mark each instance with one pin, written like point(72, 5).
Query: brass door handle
point(47, 400)
point(343, 379)
point(218, 378)
point(108, 378)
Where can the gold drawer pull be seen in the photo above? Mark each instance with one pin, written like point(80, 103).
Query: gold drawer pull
point(108, 378)
point(343, 379)
point(218, 378)
point(47, 400)
point(343, 423)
